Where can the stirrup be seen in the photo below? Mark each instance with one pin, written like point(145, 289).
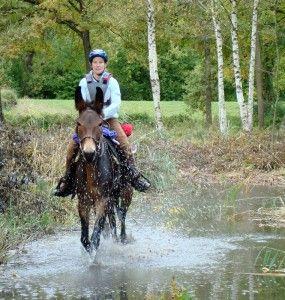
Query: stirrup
point(65, 190)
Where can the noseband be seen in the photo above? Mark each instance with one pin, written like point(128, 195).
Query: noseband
point(98, 147)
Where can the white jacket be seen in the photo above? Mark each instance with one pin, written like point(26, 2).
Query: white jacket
point(112, 92)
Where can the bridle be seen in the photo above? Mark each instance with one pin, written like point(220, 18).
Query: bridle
point(98, 143)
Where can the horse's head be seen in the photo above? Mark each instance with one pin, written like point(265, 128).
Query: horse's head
point(89, 124)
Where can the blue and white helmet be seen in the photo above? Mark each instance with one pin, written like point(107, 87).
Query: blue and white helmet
point(98, 53)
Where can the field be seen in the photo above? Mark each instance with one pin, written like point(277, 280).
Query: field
point(39, 107)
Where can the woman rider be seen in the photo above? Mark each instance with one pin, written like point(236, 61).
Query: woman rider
point(98, 76)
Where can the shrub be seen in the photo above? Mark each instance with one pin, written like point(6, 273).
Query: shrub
point(9, 98)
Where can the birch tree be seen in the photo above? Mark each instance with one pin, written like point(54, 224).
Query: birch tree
point(246, 109)
point(153, 69)
point(221, 92)
point(252, 64)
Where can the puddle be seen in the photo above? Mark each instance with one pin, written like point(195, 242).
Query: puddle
point(189, 237)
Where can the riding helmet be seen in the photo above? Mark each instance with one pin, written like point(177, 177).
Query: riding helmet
point(98, 53)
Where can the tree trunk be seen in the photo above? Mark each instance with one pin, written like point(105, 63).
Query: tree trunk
point(153, 70)
point(208, 91)
point(29, 61)
point(252, 65)
point(237, 73)
point(1, 111)
point(221, 93)
point(85, 36)
point(259, 84)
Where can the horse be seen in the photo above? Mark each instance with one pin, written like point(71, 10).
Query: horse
point(100, 183)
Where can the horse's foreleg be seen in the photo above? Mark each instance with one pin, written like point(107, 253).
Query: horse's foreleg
point(100, 219)
point(112, 220)
point(84, 211)
point(122, 211)
point(126, 196)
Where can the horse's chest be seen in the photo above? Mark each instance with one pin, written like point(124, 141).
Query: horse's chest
point(93, 185)
point(94, 181)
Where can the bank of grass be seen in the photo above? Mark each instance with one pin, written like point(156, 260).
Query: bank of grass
point(32, 161)
point(45, 113)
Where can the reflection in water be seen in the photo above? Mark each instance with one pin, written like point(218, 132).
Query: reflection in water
point(187, 236)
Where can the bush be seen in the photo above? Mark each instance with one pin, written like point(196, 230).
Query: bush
point(9, 98)
point(272, 113)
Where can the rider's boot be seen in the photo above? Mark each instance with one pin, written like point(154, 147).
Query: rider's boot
point(134, 177)
point(66, 184)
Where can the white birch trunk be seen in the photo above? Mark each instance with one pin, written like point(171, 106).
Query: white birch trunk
point(153, 70)
point(252, 64)
point(221, 93)
point(237, 72)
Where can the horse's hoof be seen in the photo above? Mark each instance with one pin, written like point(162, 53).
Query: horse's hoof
point(115, 238)
point(124, 240)
point(88, 247)
point(127, 239)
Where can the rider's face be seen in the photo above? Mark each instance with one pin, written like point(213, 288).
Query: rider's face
point(98, 65)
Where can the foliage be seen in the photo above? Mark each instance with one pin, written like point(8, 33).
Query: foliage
point(176, 64)
point(270, 260)
point(179, 293)
point(237, 152)
point(53, 73)
point(26, 207)
point(9, 98)
point(50, 35)
point(194, 94)
point(270, 110)
point(132, 76)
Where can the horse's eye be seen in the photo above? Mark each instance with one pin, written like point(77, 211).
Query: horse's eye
point(78, 123)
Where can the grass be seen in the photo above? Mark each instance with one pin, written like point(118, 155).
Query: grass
point(39, 107)
point(271, 260)
point(179, 120)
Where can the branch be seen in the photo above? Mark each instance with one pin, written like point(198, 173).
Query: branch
point(81, 5)
point(34, 2)
point(280, 11)
point(69, 23)
point(74, 6)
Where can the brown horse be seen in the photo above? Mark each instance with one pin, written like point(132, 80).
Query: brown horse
point(100, 183)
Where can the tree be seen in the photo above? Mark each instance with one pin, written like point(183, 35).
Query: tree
point(252, 64)
point(39, 15)
point(153, 70)
point(220, 59)
point(246, 109)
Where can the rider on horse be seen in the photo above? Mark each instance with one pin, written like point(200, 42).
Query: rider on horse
point(99, 77)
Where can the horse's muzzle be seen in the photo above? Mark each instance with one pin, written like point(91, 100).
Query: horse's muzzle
point(89, 149)
point(89, 156)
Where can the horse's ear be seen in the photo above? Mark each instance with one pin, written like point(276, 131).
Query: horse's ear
point(79, 102)
point(99, 101)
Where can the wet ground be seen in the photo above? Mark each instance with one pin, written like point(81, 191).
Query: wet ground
point(205, 239)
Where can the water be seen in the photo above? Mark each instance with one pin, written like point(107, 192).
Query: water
point(190, 236)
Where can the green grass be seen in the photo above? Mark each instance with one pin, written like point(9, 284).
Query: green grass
point(42, 112)
point(39, 108)
point(180, 121)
